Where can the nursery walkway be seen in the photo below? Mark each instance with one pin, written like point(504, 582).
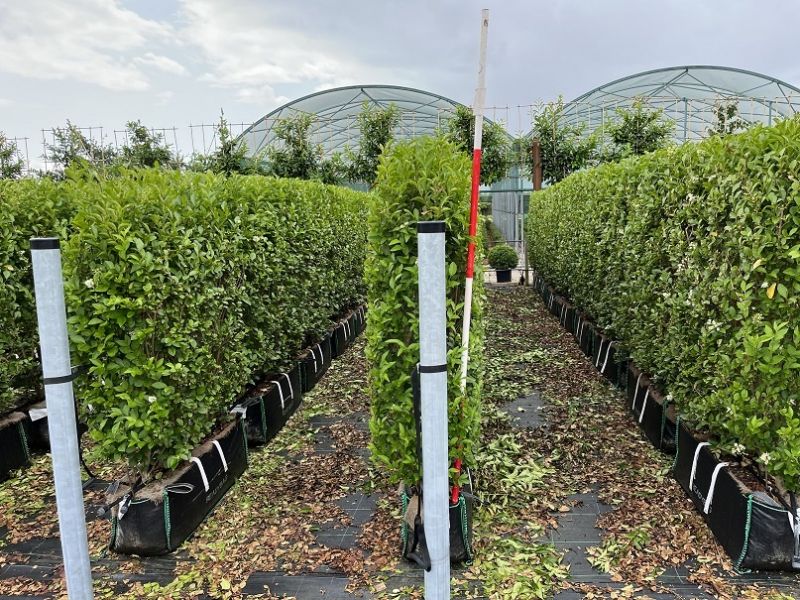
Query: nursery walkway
point(576, 503)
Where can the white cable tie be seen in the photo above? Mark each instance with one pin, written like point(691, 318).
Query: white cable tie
point(636, 391)
point(644, 404)
point(221, 455)
point(599, 353)
point(694, 463)
point(710, 496)
point(289, 381)
point(199, 464)
point(605, 362)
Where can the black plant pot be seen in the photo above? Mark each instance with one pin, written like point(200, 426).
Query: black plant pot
point(503, 275)
point(14, 452)
point(755, 530)
point(162, 515)
point(413, 531)
point(274, 401)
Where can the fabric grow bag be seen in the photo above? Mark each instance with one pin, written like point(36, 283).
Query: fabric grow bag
point(164, 514)
point(608, 359)
point(413, 530)
point(358, 321)
point(503, 275)
point(585, 336)
point(755, 530)
point(275, 400)
point(14, 452)
point(654, 413)
point(315, 363)
point(38, 432)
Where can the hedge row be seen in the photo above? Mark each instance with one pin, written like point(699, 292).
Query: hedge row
point(27, 208)
point(689, 257)
point(426, 179)
point(182, 286)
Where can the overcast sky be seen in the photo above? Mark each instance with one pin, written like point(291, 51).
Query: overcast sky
point(175, 62)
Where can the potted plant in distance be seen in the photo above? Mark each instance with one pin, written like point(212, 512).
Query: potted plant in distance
point(503, 258)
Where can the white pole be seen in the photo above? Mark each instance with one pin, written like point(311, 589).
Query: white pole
point(433, 406)
point(477, 108)
point(57, 379)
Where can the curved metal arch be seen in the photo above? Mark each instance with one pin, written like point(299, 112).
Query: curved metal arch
point(686, 69)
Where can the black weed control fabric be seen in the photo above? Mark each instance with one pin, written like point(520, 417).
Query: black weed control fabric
point(755, 530)
point(13, 445)
point(154, 527)
point(316, 362)
point(266, 414)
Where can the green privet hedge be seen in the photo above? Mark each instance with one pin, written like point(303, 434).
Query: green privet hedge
point(181, 286)
point(27, 209)
point(425, 179)
point(689, 256)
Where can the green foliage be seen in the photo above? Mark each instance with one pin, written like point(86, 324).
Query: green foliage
point(296, 156)
point(727, 119)
point(503, 257)
point(421, 180)
point(71, 147)
point(144, 148)
point(638, 130)
point(689, 256)
point(376, 126)
point(229, 157)
point(495, 144)
point(179, 287)
point(564, 148)
point(28, 209)
point(10, 161)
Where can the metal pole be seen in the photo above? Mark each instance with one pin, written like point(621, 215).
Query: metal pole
point(433, 406)
point(57, 379)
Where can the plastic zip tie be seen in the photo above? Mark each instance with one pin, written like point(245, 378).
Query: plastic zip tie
point(694, 463)
point(636, 391)
point(710, 497)
point(605, 362)
point(199, 464)
point(280, 392)
point(599, 352)
point(221, 455)
point(644, 405)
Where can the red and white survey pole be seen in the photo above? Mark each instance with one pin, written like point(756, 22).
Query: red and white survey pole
point(477, 108)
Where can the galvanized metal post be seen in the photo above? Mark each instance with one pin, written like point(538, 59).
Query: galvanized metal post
point(57, 379)
point(433, 406)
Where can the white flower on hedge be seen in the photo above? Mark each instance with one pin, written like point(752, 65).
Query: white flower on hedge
point(669, 397)
point(765, 458)
point(737, 449)
point(89, 283)
point(151, 399)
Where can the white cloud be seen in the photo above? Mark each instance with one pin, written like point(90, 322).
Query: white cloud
point(5, 102)
point(247, 52)
point(85, 40)
point(160, 62)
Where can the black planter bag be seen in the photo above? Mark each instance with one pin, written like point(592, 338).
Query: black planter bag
point(413, 531)
point(316, 363)
point(608, 359)
point(152, 527)
point(585, 337)
point(265, 415)
point(651, 410)
point(503, 276)
point(342, 335)
point(14, 452)
point(38, 432)
point(357, 321)
point(755, 531)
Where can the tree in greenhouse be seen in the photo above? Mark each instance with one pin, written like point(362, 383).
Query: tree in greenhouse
point(10, 162)
point(727, 119)
point(564, 147)
point(638, 130)
point(376, 126)
point(496, 156)
point(71, 147)
point(144, 148)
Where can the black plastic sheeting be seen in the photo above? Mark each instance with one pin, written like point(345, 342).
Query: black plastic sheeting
point(153, 527)
point(756, 531)
point(315, 363)
point(266, 414)
point(414, 546)
point(14, 451)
